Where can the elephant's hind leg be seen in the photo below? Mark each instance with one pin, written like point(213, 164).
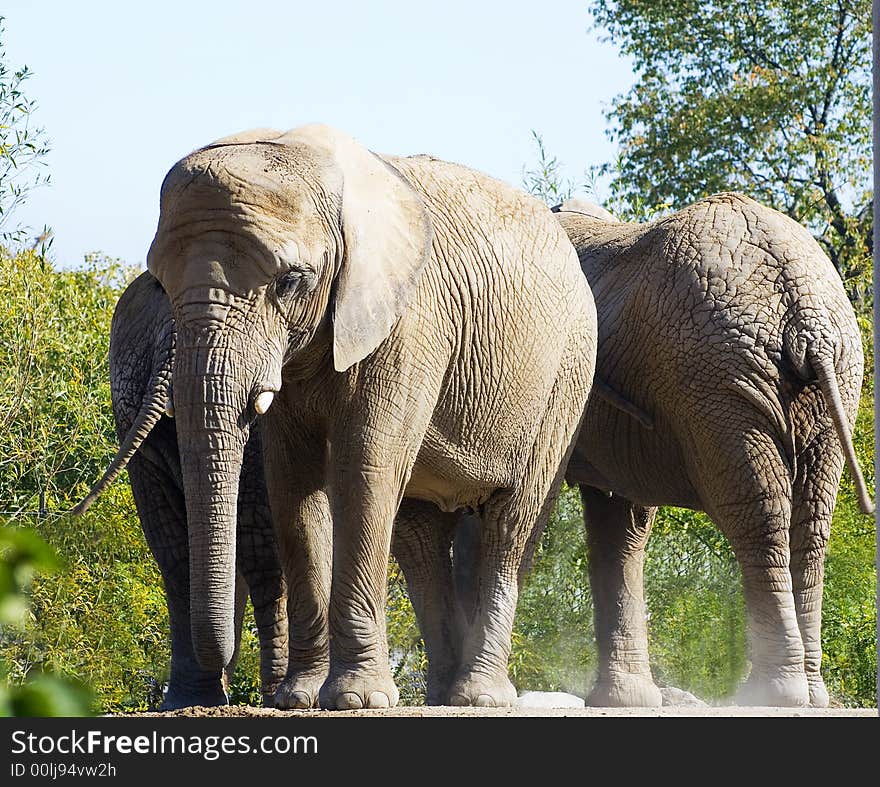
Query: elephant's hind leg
point(814, 497)
point(747, 490)
point(512, 521)
point(421, 543)
point(294, 468)
point(617, 531)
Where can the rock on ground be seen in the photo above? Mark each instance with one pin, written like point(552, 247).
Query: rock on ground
point(680, 698)
point(548, 699)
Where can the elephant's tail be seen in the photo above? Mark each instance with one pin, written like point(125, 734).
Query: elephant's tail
point(823, 366)
point(618, 400)
point(153, 405)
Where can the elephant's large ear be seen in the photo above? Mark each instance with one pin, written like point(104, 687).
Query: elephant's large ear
point(387, 235)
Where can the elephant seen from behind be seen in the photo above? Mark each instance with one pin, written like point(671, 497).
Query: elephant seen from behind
point(727, 330)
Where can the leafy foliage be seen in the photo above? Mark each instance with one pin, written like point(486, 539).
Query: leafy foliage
point(768, 97)
point(22, 148)
point(696, 615)
point(849, 612)
point(22, 554)
point(101, 618)
point(546, 180)
point(553, 640)
point(409, 662)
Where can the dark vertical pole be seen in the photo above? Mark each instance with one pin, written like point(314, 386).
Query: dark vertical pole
point(876, 74)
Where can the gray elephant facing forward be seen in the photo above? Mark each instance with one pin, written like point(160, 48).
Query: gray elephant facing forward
point(729, 333)
point(403, 328)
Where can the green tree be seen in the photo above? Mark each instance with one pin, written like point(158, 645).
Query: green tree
point(22, 554)
point(101, 618)
point(546, 180)
point(22, 148)
point(768, 97)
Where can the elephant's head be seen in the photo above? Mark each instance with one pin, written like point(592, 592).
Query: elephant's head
point(268, 244)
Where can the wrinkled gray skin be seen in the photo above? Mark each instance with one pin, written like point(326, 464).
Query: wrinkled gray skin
point(729, 332)
point(140, 352)
point(401, 326)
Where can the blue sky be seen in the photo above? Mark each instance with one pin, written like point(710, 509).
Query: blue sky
point(126, 89)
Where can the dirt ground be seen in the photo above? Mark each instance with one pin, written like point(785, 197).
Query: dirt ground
point(247, 711)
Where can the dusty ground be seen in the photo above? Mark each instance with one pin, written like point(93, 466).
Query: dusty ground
point(418, 712)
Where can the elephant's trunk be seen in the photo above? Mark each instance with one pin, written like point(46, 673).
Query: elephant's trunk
point(210, 399)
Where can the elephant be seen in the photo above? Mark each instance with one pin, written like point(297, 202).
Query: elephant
point(727, 333)
point(141, 351)
point(410, 335)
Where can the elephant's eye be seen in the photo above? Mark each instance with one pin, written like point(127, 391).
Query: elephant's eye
point(292, 283)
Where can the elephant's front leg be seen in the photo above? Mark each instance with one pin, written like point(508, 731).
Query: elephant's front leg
point(365, 497)
point(372, 454)
point(260, 564)
point(162, 513)
point(421, 544)
point(294, 467)
point(269, 600)
point(617, 531)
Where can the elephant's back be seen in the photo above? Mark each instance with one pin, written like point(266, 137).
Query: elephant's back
point(741, 275)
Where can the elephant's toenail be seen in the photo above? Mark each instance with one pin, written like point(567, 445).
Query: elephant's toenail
point(459, 700)
point(378, 699)
point(300, 700)
point(349, 701)
point(485, 701)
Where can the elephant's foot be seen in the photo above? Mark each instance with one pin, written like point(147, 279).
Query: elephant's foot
point(437, 694)
point(271, 680)
point(787, 688)
point(625, 690)
point(352, 689)
point(269, 689)
point(177, 697)
point(299, 690)
point(818, 693)
point(439, 682)
point(486, 691)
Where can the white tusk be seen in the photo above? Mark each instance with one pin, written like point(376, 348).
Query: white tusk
point(264, 402)
point(169, 408)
